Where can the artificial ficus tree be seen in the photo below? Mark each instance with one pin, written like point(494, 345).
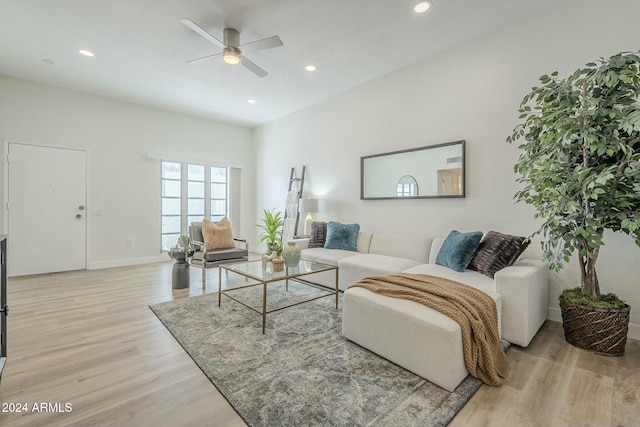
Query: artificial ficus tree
point(580, 160)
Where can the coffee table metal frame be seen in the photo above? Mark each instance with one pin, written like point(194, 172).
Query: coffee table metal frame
point(253, 270)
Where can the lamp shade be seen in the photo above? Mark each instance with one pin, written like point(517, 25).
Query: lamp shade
point(308, 205)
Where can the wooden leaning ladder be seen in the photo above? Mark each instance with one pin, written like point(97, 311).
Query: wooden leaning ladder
point(300, 181)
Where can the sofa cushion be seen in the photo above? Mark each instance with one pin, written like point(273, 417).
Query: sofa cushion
point(468, 277)
point(325, 256)
point(318, 234)
point(410, 246)
point(355, 268)
point(458, 249)
point(497, 251)
point(342, 236)
point(407, 333)
point(220, 254)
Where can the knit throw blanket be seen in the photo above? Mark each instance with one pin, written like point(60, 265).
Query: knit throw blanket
point(471, 308)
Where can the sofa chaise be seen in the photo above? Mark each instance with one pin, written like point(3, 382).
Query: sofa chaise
point(414, 336)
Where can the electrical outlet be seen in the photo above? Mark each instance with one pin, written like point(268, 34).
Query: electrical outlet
point(97, 212)
point(129, 243)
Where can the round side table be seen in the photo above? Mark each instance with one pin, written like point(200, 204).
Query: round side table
point(180, 274)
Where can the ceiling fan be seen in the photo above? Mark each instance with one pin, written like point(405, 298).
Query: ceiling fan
point(232, 51)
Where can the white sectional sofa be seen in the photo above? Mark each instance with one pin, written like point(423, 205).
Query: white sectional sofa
point(414, 336)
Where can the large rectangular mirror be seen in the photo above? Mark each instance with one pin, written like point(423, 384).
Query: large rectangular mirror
point(417, 173)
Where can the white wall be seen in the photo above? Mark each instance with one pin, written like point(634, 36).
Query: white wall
point(469, 93)
point(123, 181)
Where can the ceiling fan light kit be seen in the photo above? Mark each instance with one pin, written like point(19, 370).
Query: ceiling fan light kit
point(231, 56)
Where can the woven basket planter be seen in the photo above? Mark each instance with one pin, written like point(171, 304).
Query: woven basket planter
point(603, 331)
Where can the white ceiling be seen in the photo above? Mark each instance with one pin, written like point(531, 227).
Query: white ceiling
point(141, 48)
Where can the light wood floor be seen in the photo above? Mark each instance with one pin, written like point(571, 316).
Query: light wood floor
point(89, 339)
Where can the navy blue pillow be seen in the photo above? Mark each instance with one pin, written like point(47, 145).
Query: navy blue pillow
point(458, 249)
point(342, 236)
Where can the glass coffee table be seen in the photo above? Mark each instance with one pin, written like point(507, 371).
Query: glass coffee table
point(253, 270)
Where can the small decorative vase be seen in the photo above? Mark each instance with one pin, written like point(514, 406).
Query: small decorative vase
point(278, 264)
point(291, 254)
point(266, 258)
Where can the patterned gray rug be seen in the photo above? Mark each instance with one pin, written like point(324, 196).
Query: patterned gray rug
point(302, 372)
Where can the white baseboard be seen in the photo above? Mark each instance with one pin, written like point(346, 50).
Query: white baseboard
point(124, 262)
point(553, 313)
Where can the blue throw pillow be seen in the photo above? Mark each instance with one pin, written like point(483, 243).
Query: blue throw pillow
point(342, 236)
point(458, 249)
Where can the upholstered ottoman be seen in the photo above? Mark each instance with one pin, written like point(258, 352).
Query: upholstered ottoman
point(418, 338)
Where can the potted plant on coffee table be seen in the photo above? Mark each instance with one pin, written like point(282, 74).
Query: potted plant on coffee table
point(271, 224)
point(580, 166)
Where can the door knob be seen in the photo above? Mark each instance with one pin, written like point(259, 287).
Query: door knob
point(78, 216)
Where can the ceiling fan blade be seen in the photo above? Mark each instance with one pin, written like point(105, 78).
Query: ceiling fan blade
point(253, 67)
point(195, 27)
point(203, 57)
point(268, 43)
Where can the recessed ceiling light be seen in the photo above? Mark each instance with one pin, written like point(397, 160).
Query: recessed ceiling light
point(422, 7)
point(310, 68)
point(251, 101)
point(85, 52)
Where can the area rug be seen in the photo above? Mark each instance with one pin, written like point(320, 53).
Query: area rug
point(302, 372)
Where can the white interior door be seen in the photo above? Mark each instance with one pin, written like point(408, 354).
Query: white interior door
point(446, 183)
point(46, 209)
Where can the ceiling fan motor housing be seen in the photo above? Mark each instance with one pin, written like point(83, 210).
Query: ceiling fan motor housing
point(231, 38)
